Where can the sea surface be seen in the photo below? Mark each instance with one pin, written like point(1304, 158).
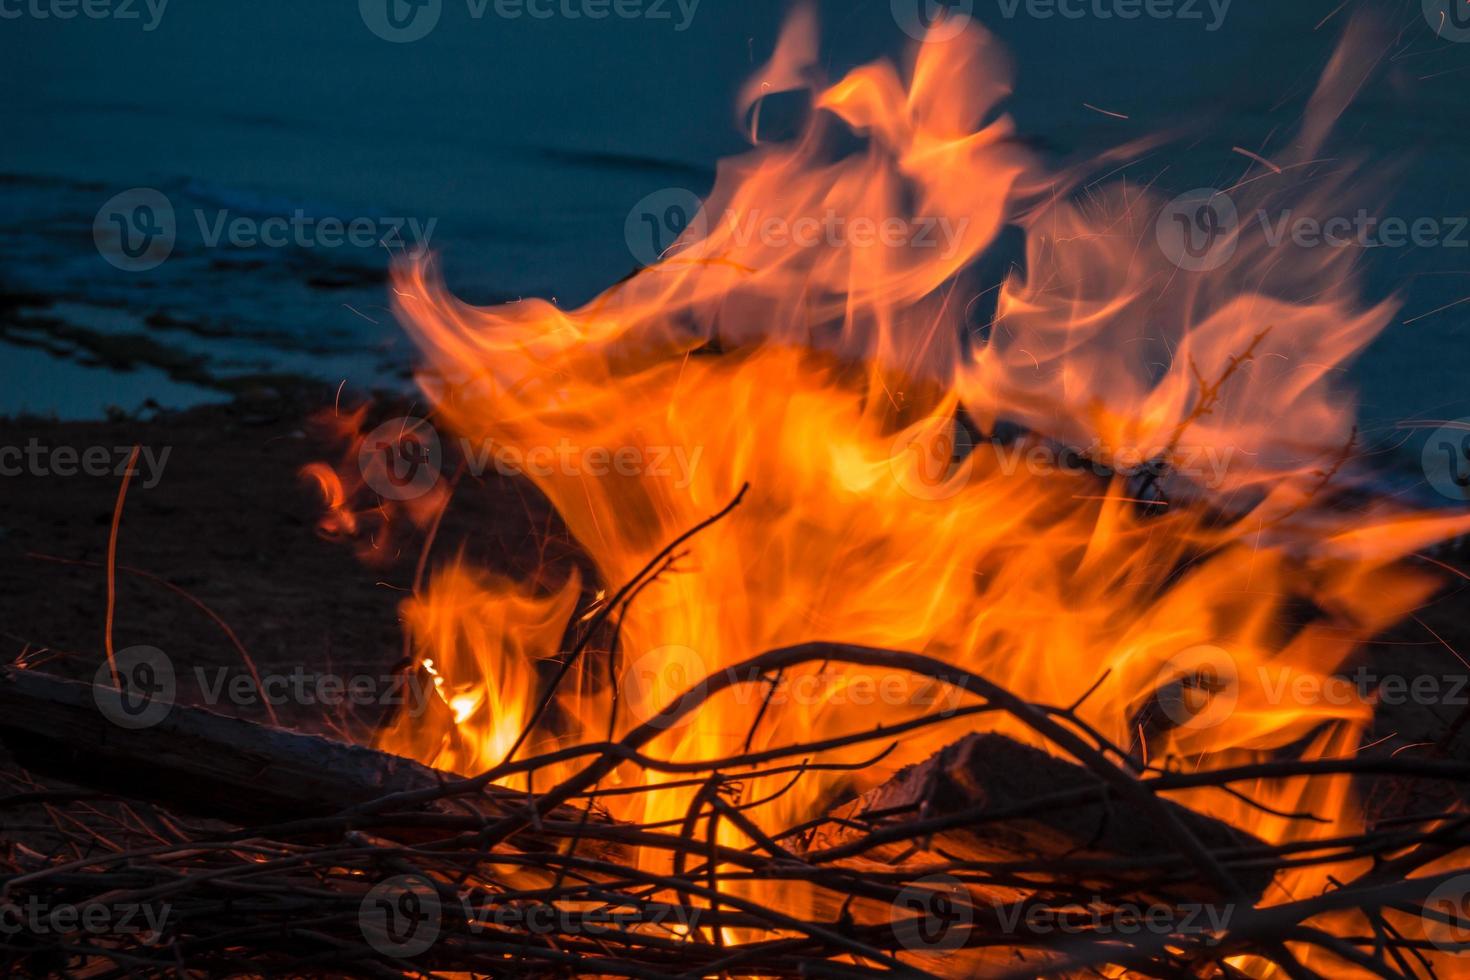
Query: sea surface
point(518, 144)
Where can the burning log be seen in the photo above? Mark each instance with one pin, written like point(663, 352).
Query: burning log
point(202, 763)
point(988, 798)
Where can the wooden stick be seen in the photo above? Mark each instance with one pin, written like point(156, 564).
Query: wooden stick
point(208, 765)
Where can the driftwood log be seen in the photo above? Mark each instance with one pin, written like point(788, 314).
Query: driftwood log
point(208, 765)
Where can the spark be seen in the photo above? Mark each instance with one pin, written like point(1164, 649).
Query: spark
point(1463, 299)
point(122, 493)
point(1257, 157)
point(359, 313)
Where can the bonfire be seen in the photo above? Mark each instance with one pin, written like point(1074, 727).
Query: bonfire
point(923, 620)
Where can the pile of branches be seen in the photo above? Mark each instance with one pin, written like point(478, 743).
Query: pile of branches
point(242, 849)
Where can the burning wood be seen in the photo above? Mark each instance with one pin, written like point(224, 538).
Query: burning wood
point(317, 888)
point(944, 502)
point(990, 799)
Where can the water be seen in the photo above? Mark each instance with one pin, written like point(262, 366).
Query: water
point(523, 143)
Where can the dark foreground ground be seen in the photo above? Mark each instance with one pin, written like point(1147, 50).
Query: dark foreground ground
point(225, 537)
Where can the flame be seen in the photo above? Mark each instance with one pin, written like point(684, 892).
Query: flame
point(476, 636)
point(1116, 491)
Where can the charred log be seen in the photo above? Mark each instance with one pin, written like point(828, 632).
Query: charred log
point(988, 798)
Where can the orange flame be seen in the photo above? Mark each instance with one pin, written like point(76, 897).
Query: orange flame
point(839, 374)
